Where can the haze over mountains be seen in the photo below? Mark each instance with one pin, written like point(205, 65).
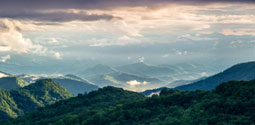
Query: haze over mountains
point(26, 92)
point(243, 71)
point(140, 76)
point(136, 76)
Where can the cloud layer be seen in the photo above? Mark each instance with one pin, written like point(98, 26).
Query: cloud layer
point(38, 9)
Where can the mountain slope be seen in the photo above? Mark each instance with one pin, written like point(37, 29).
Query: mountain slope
point(72, 83)
point(75, 86)
point(9, 83)
point(230, 103)
point(145, 69)
point(103, 98)
point(243, 71)
point(19, 101)
point(97, 70)
point(183, 82)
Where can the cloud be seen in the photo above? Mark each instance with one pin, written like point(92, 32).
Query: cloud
point(165, 56)
point(56, 15)
point(100, 4)
point(135, 83)
point(239, 32)
point(58, 55)
point(120, 41)
point(53, 41)
point(11, 39)
point(141, 59)
point(204, 74)
point(5, 58)
point(3, 75)
point(179, 52)
point(39, 9)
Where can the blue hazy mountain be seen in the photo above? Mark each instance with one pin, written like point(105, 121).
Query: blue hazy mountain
point(76, 86)
point(145, 69)
point(72, 83)
point(99, 69)
point(126, 80)
point(243, 71)
point(12, 82)
point(183, 82)
point(168, 72)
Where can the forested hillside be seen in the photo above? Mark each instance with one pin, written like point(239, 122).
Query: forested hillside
point(19, 101)
point(230, 103)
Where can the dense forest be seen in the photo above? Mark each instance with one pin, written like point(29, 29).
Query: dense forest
point(230, 103)
point(19, 101)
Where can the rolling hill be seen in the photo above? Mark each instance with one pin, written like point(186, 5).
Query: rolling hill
point(230, 103)
point(29, 98)
point(103, 98)
point(243, 71)
point(72, 83)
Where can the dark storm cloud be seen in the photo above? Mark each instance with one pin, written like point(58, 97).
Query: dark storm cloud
point(55, 16)
point(32, 9)
point(98, 4)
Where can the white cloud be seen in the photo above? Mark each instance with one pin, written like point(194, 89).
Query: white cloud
point(5, 58)
point(11, 39)
point(203, 74)
point(3, 75)
point(53, 41)
point(141, 59)
point(238, 32)
point(58, 55)
point(124, 38)
point(135, 83)
point(179, 52)
point(165, 56)
point(120, 41)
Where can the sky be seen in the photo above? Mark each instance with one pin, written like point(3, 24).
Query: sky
point(42, 32)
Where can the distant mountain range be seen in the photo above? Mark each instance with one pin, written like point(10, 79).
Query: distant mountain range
point(19, 101)
point(75, 86)
point(136, 76)
point(183, 82)
point(243, 71)
point(12, 82)
point(97, 70)
point(146, 69)
point(153, 76)
point(72, 83)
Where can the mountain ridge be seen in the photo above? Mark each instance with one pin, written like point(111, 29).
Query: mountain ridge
point(241, 71)
point(29, 98)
